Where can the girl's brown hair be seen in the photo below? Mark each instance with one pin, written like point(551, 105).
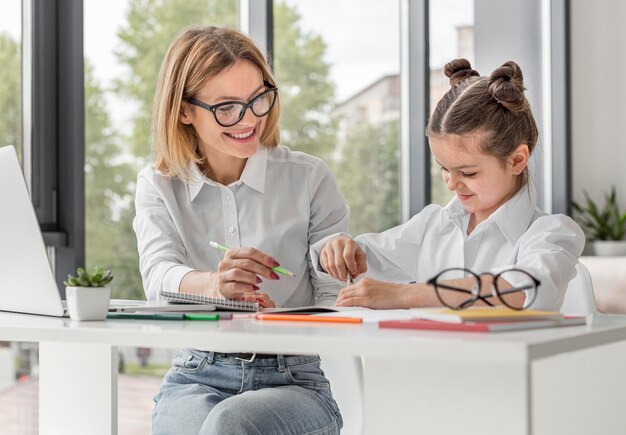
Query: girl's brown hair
point(195, 56)
point(494, 108)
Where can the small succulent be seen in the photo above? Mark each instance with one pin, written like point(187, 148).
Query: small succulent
point(98, 278)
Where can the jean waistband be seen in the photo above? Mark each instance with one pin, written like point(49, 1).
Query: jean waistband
point(248, 355)
point(279, 360)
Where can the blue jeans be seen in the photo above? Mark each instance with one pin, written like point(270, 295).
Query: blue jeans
point(208, 393)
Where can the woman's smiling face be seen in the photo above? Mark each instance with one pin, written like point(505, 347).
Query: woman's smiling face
point(241, 82)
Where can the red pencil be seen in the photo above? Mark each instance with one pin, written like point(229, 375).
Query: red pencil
point(306, 318)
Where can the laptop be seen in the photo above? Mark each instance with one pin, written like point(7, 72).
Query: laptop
point(27, 284)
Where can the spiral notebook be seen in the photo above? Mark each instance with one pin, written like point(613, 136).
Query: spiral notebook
point(220, 303)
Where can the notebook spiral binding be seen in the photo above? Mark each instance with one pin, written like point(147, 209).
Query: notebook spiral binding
point(223, 303)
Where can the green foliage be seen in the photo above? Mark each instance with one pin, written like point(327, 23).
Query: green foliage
point(305, 87)
point(368, 175)
point(98, 278)
point(109, 188)
point(607, 223)
point(10, 93)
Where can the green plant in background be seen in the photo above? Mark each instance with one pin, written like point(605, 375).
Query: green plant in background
point(98, 278)
point(607, 223)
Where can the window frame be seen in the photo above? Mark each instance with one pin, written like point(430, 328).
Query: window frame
point(53, 125)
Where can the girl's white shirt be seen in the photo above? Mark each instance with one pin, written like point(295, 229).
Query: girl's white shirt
point(518, 234)
point(284, 202)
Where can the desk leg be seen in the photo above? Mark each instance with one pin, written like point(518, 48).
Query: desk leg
point(435, 397)
point(77, 388)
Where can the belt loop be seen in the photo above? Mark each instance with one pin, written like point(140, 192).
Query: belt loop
point(210, 357)
point(281, 362)
point(249, 360)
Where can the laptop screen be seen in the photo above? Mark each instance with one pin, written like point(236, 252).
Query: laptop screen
point(27, 284)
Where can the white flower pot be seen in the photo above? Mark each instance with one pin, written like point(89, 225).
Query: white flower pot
point(609, 248)
point(87, 303)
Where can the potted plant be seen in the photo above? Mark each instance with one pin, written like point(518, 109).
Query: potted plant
point(87, 294)
point(606, 226)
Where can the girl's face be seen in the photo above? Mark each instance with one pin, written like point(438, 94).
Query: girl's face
point(480, 181)
point(241, 82)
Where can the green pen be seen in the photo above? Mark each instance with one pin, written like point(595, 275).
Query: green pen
point(201, 316)
point(276, 269)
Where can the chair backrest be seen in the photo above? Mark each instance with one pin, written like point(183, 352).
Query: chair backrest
point(579, 297)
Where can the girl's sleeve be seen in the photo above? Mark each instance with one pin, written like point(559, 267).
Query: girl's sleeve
point(161, 252)
point(549, 250)
point(391, 255)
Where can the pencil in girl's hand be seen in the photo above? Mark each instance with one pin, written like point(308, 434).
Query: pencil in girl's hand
point(349, 280)
point(276, 269)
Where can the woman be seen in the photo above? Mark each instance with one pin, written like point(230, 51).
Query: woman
point(220, 176)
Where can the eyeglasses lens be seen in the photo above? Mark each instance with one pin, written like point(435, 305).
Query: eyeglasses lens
point(263, 103)
point(517, 289)
point(457, 288)
point(231, 114)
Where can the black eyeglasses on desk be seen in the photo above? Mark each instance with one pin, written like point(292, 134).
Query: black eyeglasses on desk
point(459, 288)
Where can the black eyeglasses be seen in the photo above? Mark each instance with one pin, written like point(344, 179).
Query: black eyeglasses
point(230, 113)
point(507, 286)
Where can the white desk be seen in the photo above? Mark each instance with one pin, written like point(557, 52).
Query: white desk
point(550, 381)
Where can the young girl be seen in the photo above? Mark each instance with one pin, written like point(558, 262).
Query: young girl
point(481, 133)
point(220, 176)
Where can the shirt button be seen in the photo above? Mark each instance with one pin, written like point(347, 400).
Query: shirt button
point(231, 230)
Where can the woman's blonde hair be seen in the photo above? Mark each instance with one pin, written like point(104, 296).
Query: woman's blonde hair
point(195, 56)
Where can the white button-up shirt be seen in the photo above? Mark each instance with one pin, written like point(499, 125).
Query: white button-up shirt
point(518, 234)
point(284, 202)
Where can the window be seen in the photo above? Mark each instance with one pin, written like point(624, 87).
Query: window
point(10, 75)
point(451, 36)
point(340, 104)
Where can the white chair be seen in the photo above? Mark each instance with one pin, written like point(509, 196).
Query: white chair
point(579, 297)
point(346, 381)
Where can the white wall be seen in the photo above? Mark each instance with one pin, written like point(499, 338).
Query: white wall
point(598, 83)
point(511, 30)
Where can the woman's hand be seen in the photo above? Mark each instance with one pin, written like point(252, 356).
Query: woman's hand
point(241, 270)
point(371, 293)
point(239, 274)
point(262, 298)
point(342, 255)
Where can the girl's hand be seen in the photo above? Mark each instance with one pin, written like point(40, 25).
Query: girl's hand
point(240, 272)
point(371, 293)
point(342, 255)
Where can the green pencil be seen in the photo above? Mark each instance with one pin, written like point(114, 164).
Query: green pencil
point(276, 269)
point(193, 316)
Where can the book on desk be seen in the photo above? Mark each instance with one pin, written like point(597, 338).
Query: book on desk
point(485, 326)
point(483, 319)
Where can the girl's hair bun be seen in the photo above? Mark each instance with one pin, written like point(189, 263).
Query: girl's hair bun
point(506, 86)
point(458, 71)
